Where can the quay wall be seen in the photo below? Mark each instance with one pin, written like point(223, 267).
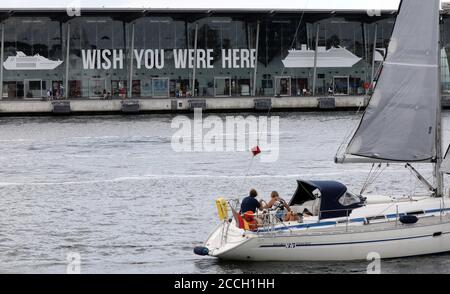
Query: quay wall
point(184, 105)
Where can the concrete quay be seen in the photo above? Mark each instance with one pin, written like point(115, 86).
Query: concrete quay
point(180, 105)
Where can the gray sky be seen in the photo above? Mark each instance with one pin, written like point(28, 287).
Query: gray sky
point(205, 4)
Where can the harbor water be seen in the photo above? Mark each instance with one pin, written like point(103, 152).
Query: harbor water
point(112, 190)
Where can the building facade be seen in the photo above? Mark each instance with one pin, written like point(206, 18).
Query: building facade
point(145, 54)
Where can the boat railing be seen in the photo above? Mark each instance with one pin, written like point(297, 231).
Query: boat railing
point(347, 213)
point(270, 222)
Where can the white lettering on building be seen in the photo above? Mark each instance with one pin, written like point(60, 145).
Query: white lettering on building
point(155, 58)
point(102, 59)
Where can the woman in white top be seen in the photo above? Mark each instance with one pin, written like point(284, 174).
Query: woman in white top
point(283, 211)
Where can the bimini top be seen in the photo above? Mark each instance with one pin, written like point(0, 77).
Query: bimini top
point(335, 201)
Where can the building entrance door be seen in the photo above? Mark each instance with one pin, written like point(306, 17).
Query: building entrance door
point(96, 87)
point(57, 89)
point(119, 88)
point(20, 92)
point(10, 90)
point(160, 87)
point(341, 85)
point(222, 86)
point(298, 84)
point(283, 86)
point(34, 89)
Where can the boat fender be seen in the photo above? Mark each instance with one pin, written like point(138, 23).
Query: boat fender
point(222, 208)
point(409, 219)
point(200, 250)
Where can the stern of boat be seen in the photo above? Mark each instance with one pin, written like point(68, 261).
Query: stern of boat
point(224, 237)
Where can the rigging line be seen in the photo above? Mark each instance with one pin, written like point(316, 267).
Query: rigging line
point(349, 134)
point(247, 171)
point(413, 186)
point(372, 176)
point(375, 176)
point(429, 180)
point(243, 182)
point(363, 188)
point(378, 174)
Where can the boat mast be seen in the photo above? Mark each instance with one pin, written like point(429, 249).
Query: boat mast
point(438, 174)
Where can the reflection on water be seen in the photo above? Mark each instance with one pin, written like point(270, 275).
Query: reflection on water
point(112, 189)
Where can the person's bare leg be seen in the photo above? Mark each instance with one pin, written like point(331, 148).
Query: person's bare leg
point(259, 222)
point(289, 217)
point(293, 217)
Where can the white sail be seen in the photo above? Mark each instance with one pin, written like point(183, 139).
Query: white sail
point(401, 119)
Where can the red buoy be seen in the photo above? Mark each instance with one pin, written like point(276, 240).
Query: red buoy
point(256, 150)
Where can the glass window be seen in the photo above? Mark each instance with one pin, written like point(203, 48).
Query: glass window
point(9, 90)
point(136, 88)
point(34, 88)
point(155, 40)
point(349, 199)
point(98, 57)
point(341, 85)
point(119, 88)
point(75, 89)
point(160, 87)
point(146, 88)
point(222, 86)
point(97, 87)
point(283, 86)
point(33, 56)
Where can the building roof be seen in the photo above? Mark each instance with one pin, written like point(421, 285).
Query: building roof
point(203, 5)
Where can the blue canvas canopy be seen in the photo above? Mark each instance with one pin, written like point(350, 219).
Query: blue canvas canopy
point(330, 194)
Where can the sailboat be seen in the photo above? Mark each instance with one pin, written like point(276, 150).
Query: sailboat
point(402, 124)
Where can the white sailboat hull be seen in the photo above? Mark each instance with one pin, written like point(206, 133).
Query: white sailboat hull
point(402, 242)
point(333, 240)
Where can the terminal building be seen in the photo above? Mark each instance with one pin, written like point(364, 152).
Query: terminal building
point(194, 50)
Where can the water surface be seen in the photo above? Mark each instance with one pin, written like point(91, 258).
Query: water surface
point(112, 189)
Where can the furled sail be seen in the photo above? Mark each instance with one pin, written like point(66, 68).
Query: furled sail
point(400, 121)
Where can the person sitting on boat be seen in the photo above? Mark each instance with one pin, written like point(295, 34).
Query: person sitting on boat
point(251, 222)
point(283, 211)
point(249, 206)
point(250, 203)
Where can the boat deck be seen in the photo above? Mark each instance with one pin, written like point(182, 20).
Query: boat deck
point(350, 228)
